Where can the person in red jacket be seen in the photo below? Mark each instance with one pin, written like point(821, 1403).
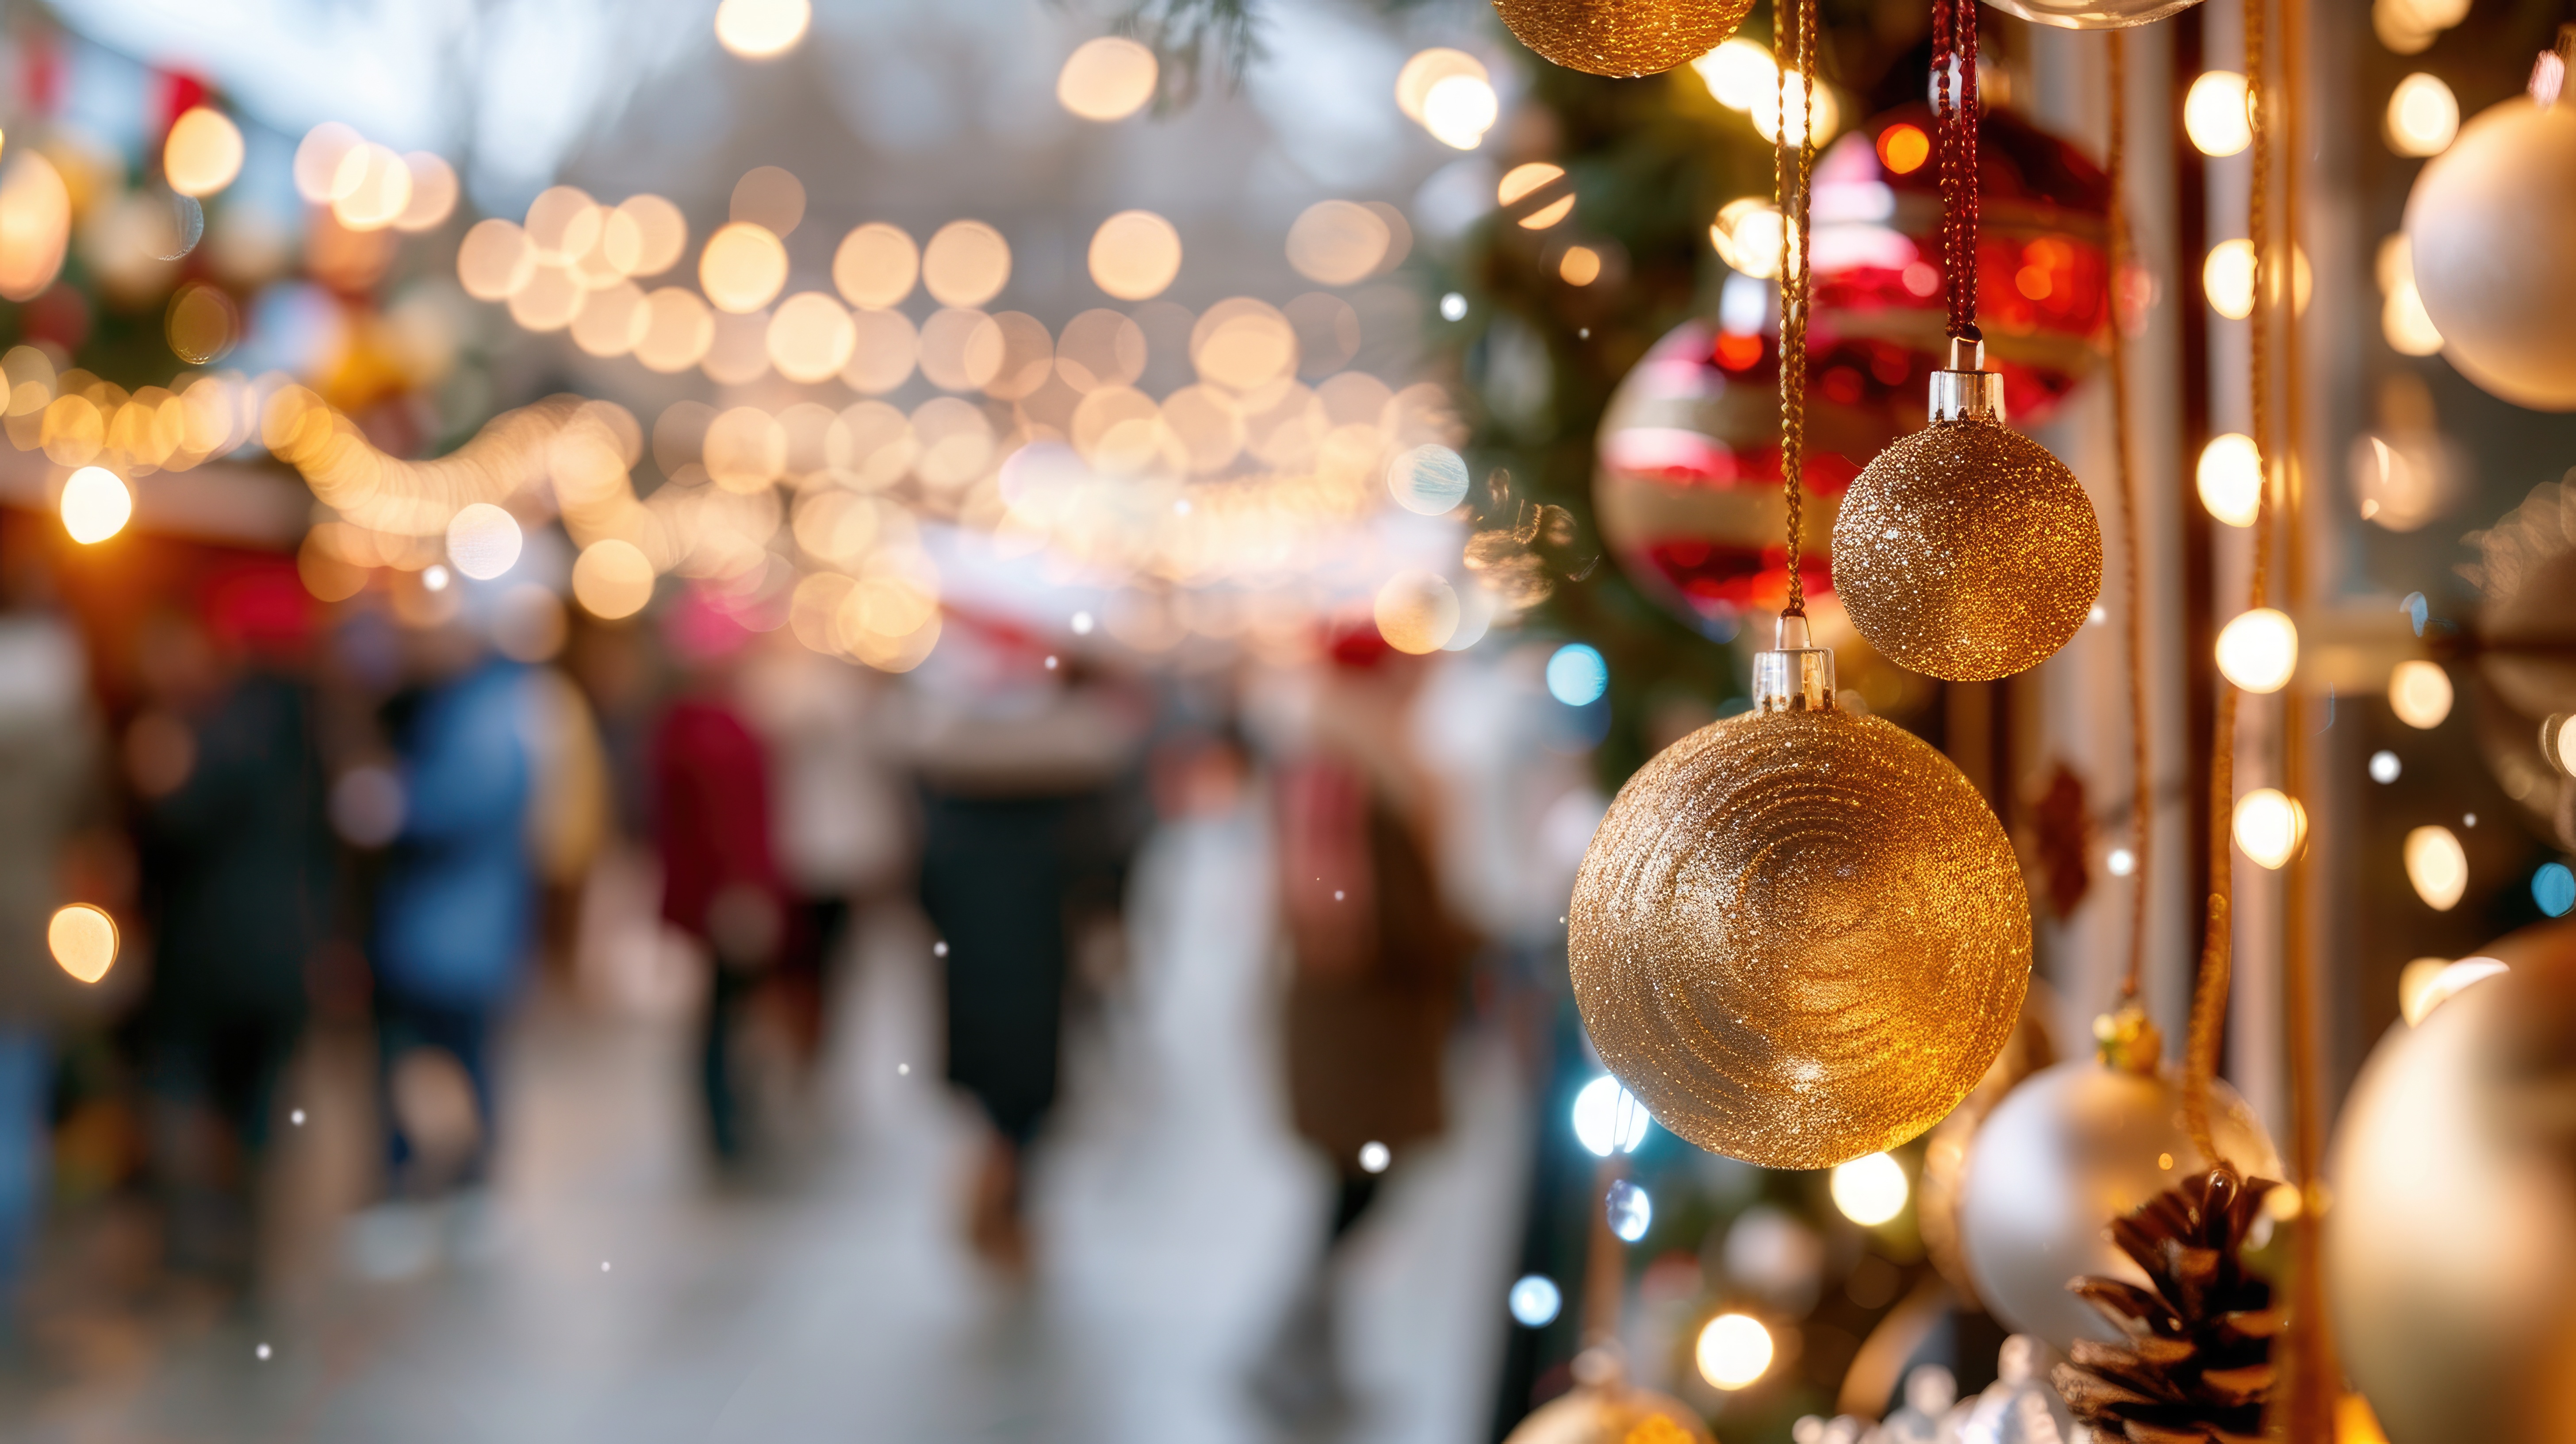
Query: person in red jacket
point(720, 882)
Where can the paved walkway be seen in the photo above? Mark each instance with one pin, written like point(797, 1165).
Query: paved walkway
point(615, 1296)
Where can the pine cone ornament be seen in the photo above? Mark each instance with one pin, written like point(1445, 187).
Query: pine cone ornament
point(2197, 1366)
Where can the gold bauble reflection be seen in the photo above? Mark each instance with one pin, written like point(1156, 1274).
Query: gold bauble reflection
point(1967, 552)
point(1799, 937)
point(1622, 37)
point(2451, 1262)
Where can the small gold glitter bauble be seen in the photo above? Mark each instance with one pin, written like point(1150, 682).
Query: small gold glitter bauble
point(1622, 37)
point(1799, 936)
point(1607, 1411)
point(1967, 552)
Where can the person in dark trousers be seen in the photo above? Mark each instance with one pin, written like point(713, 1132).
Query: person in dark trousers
point(237, 871)
point(1026, 829)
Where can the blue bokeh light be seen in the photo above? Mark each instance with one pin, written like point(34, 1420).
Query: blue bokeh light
point(1576, 675)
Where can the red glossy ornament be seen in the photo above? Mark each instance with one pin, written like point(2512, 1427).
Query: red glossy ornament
point(1687, 490)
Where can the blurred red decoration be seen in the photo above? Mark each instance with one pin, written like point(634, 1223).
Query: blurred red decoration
point(1688, 489)
point(2043, 266)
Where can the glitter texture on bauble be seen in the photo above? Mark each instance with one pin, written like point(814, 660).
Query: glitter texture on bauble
point(1799, 936)
point(1622, 37)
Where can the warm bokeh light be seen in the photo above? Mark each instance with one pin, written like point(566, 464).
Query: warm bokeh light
point(2423, 116)
point(2227, 278)
point(742, 268)
point(2259, 650)
point(2419, 692)
point(876, 266)
point(95, 505)
point(1747, 236)
point(2403, 321)
point(83, 941)
point(770, 197)
point(2215, 114)
point(1903, 148)
point(1428, 68)
point(1136, 255)
point(1106, 79)
point(371, 189)
point(1459, 110)
point(2558, 741)
point(1338, 243)
point(550, 300)
point(677, 331)
point(1417, 612)
point(613, 320)
point(1243, 344)
point(661, 234)
point(495, 260)
point(1870, 1191)
point(1522, 181)
point(483, 541)
point(318, 157)
point(1734, 1351)
point(35, 225)
point(1579, 266)
point(203, 152)
point(760, 29)
point(2230, 476)
point(2269, 827)
point(966, 264)
point(1738, 72)
point(886, 351)
point(811, 337)
point(2438, 867)
point(433, 192)
point(1790, 94)
point(565, 225)
point(1100, 348)
point(612, 579)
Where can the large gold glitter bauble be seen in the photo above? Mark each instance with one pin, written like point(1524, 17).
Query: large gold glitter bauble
point(1622, 37)
point(2450, 1256)
point(1967, 552)
point(1799, 935)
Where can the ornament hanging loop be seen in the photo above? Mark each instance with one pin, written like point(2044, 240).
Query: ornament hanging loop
point(1797, 675)
point(1965, 390)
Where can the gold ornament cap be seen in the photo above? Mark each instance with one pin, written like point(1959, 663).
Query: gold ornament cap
point(1967, 391)
point(1796, 676)
point(2126, 1042)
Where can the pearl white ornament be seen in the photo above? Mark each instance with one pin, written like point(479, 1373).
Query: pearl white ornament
point(2488, 224)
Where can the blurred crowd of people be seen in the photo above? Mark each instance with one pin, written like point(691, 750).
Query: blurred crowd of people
point(403, 819)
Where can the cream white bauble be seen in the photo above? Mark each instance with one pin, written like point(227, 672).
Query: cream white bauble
point(2492, 228)
point(2451, 1252)
point(2071, 1149)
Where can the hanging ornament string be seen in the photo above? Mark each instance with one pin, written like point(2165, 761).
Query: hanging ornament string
point(1793, 169)
point(1954, 65)
point(2217, 960)
point(2142, 799)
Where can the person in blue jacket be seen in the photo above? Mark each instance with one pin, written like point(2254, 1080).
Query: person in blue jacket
point(455, 907)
